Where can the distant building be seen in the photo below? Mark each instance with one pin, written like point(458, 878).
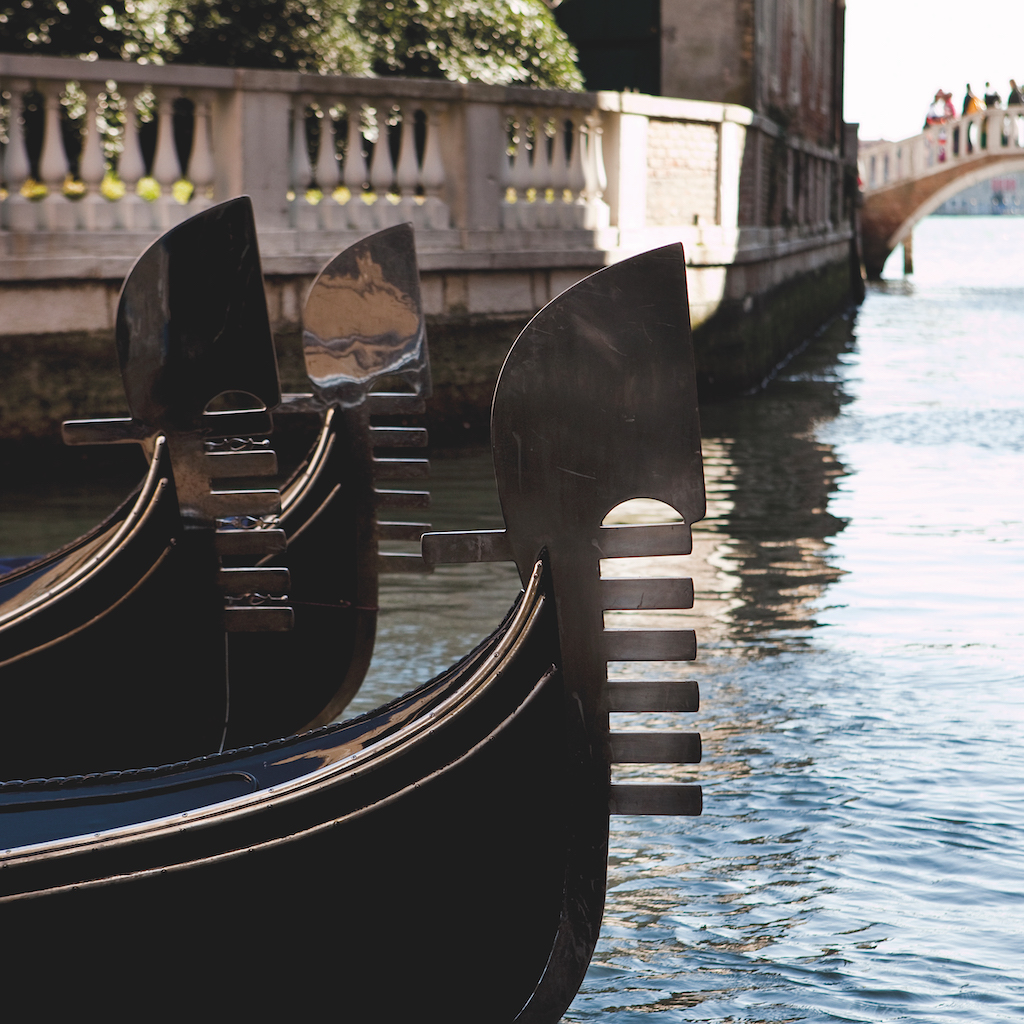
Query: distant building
point(782, 59)
point(1000, 195)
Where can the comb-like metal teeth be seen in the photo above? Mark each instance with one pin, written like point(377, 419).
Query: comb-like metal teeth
point(234, 543)
point(401, 469)
point(247, 423)
point(401, 499)
point(395, 403)
point(105, 431)
point(668, 799)
point(660, 539)
point(401, 531)
point(460, 547)
point(271, 618)
point(294, 402)
point(650, 644)
point(262, 502)
point(656, 746)
point(641, 593)
point(398, 437)
point(394, 563)
point(244, 580)
point(225, 465)
point(653, 695)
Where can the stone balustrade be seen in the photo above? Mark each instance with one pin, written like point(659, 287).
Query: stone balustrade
point(515, 194)
point(974, 137)
point(317, 153)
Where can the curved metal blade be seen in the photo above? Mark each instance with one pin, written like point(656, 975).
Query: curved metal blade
point(596, 404)
point(364, 320)
point(192, 320)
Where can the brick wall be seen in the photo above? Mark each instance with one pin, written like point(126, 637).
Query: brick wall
point(682, 173)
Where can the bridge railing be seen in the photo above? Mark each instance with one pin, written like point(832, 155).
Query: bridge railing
point(969, 138)
point(107, 146)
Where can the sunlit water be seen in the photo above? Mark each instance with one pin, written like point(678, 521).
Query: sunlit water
point(861, 625)
point(861, 618)
point(861, 852)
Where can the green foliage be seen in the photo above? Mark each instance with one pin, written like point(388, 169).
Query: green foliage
point(488, 41)
point(462, 40)
point(292, 34)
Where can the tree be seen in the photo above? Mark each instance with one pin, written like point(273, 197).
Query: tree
point(490, 41)
point(481, 40)
point(297, 35)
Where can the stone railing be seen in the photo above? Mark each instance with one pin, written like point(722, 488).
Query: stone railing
point(515, 193)
point(974, 137)
point(105, 146)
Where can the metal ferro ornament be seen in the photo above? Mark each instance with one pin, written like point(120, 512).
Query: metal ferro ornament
point(597, 404)
point(364, 320)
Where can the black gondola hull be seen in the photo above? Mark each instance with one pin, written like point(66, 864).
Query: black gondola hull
point(431, 879)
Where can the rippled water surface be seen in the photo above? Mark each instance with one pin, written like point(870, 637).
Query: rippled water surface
point(861, 621)
point(861, 852)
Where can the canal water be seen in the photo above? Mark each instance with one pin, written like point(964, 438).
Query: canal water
point(860, 615)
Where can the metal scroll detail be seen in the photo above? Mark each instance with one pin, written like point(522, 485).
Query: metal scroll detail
point(192, 320)
point(597, 404)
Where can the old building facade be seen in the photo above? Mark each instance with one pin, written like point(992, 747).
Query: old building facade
point(780, 62)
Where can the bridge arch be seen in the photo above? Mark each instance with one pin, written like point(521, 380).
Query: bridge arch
point(921, 173)
point(972, 175)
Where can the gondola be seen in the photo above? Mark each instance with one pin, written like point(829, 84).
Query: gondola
point(112, 649)
point(446, 853)
point(363, 327)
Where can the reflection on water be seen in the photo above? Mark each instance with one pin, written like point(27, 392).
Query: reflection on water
point(429, 622)
point(41, 515)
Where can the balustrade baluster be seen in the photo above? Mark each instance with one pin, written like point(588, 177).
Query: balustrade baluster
point(355, 178)
point(20, 214)
point(201, 168)
point(133, 211)
point(407, 173)
point(573, 217)
point(58, 213)
point(327, 176)
point(512, 141)
point(598, 211)
point(522, 173)
point(382, 169)
point(97, 214)
point(304, 216)
point(540, 179)
point(559, 171)
point(435, 211)
point(166, 170)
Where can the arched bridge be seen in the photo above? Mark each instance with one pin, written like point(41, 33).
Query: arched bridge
point(905, 181)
